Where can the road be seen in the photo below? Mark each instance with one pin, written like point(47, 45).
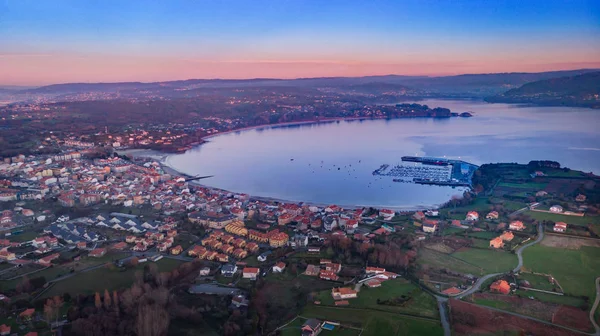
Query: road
point(595, 306)
point(444, 314)
point(518, 211)
point(519, 254)
point(442, 300)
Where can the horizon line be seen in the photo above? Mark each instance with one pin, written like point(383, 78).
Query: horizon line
point(296, 78)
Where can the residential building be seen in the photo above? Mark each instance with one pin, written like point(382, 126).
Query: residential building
point(279, 267)
point(516, 225)
point(556, 208)
point(229, 270)
point(560, 227)
point(500, 286)
point(374, 270)
point(497, 243)
point(387, 214)
point(312, 327)
point(472, 216)
point(343, 293)
point(333, 267)
point(429, 228)
point(250, 273)
point(328, 275)
point(492, 215)
point(177, 250)
point(97, 253)
point(507, 236)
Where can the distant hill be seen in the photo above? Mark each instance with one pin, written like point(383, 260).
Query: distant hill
point(468, 86)
point(581, 90)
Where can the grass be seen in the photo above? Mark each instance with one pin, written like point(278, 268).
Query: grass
point(575, 270)
point(23, 237)
point(572, 220)
point(104, 278)
point(376, 322)
point(440, 260)
point(537, 281)
point(494, 303)
point(484, 234)
point(530, 185)
point(421, 303)
point(551, 298)
point(490, 261)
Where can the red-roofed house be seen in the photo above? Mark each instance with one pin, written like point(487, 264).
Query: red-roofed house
point(500, 286)
point(560, 227)
point(4, 330)
point(343, 293)
point(279, 267)
point(373, 283)
point(497, 243)
point(451, 291)
point(97, 253)
point(46, 261)
point(516, 225)
point(472, 216)
point(374, 270)
point(328, 275)
point(27, 314)
point(387, 214)
point(250, 273)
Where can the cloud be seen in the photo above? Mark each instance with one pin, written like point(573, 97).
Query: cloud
point(584, 148)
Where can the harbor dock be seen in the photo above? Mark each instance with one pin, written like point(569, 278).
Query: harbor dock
point(430, 170)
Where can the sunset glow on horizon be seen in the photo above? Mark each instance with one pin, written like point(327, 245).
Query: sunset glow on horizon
point(43, 42)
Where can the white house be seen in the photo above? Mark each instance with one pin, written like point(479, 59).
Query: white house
point(556, 208)
point(279, 267)
point(250, 273)
point(387, 214)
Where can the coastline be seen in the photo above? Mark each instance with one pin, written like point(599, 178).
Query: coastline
point(163, 161)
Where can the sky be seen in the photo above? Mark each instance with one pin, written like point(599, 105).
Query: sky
point(45, 42)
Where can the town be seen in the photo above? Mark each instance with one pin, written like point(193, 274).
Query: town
point(76, 225)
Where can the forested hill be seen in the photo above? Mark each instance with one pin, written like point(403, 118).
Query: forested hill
point(581, 90)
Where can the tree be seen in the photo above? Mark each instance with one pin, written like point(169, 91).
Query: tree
point(97, 301)
point(152, 320)
point(107, 300)
point(116, 300)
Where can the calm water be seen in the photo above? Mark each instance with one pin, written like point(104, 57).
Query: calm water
point(258, 162)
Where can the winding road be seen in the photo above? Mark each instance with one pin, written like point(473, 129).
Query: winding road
point(477, 285)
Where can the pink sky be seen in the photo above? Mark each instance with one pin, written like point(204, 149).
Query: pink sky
point(41, 69)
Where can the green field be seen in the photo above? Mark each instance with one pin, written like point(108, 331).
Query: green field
point(484, 234)
point(104, 278)
point(375, 323)
point(23, 237)
point(573, 220)
point(440, 260)
point(420, 303)
point(530, 185)
point(575, 270)
point(537, 281)
point(489, 260)
point(559, 299)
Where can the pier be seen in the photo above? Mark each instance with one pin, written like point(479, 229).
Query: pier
point(430, 170)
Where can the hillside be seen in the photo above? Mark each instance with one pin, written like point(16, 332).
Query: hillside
point(581, 90)
point(467, 85)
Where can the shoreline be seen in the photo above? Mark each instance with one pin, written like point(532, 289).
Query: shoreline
point(168, 169)
point(163, 157)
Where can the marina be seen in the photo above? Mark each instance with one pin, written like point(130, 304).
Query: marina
point(430, 170)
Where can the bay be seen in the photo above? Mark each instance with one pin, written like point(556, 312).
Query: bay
point(332, 163)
